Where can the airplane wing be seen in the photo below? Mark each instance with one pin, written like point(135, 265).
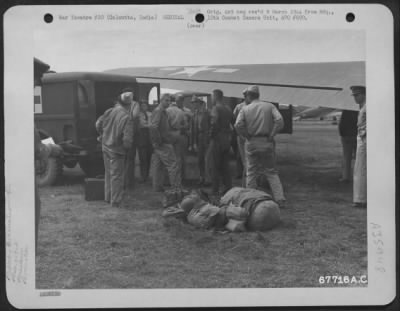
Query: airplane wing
point(300, 84)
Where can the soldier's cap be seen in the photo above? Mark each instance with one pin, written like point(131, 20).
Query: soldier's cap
point(357, 89)
point(252, 89)
point(127, 90)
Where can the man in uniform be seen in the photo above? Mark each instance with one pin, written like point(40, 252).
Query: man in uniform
point(178, 121)
point(259, 122)
point(145, 148)
point(188, 128)
point(200, 130)
point(162, 137)
point(134, 113)
point(360, 166)
point(220, 142)
point(348, 135)
point(115, 127)
point(241, 141)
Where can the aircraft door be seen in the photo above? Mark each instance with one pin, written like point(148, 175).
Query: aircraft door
point(150, 93)
point(287, 115)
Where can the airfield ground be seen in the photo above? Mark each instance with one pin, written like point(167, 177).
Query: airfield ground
point(88, 245)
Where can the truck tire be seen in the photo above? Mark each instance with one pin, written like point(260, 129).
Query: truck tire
point(49, 170)
point(92, 166)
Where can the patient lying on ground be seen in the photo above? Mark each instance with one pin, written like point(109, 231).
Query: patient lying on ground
point(240, 209)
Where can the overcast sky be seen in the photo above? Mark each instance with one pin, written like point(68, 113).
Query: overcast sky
point(89, 50)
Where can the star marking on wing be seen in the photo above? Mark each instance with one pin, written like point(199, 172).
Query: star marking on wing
point(190, 71)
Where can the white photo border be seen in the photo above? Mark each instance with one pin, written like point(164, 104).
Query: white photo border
point(20, 22)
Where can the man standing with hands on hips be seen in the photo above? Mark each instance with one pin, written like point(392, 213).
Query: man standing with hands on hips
point(240, 139)
point(360, 166)
point(259, 122)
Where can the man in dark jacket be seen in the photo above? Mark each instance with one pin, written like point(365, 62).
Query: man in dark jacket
point(115, 127)
point(220, 142)
point(360, 164)
point(348, 134)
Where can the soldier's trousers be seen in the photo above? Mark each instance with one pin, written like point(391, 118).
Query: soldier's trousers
point(164, 156)
point(180, 147)
point(201, 156)
point(360, 172)
point(219, 151)
point(130, 165)
point(144, 158)
point(349, 146)
point(260, 160)
point(114, 165)
point(240, 143)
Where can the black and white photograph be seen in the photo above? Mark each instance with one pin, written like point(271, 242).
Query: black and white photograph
point(219, 152)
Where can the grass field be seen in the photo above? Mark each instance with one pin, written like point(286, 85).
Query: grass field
point(91, 245)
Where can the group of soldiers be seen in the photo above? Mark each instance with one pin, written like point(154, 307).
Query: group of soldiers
point(128, 126)
point(162, 139)
point(163, 136)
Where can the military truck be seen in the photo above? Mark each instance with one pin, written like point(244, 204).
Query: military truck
point(67, 106)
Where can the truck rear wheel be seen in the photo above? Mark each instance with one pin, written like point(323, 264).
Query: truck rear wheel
point(48, 171)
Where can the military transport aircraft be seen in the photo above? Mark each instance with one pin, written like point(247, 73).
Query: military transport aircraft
point(297, 84)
